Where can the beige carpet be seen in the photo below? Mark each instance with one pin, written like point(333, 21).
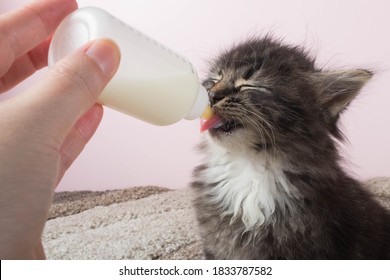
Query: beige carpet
point(135, 223)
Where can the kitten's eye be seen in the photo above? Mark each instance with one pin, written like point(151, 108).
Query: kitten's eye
point(244, 87)
point(216, 78)
point(252, 87)
point(209, 83)
point(213, 80)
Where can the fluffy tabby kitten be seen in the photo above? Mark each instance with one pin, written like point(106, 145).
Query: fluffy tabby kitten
point(271, 186)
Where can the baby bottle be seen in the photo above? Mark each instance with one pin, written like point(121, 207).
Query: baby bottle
point(153, 83)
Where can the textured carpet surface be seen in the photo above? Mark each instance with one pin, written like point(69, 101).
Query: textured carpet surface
point(69, 203)
point(153, 223)
point(135, 223)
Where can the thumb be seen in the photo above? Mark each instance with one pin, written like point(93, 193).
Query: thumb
point(72, 87)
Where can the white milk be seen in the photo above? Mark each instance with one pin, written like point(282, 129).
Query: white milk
point(153, 83)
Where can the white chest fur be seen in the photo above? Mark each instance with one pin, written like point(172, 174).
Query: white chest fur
point(252, 185)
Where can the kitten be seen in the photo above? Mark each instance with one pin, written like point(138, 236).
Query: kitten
point(271, 186)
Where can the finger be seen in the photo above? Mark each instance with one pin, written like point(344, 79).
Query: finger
point(23, 29)
point(70, 89)
point(25, 66)
point(78, 137)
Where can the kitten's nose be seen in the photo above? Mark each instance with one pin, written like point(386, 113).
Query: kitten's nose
point(215, 97)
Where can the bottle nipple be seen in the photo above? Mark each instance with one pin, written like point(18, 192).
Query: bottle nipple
point(209, 119)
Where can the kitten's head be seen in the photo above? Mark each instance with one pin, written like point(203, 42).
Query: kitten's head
point(270, 95)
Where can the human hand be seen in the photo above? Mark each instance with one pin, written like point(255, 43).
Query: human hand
point(44, 129)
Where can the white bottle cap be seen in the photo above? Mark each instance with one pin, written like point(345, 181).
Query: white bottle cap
point(199, 106)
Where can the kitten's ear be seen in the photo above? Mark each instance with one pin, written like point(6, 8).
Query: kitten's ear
point(337, 89)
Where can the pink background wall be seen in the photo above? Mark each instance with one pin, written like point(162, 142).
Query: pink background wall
point(354, 33)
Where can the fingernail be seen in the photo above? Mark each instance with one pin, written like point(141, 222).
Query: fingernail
point(106, 54)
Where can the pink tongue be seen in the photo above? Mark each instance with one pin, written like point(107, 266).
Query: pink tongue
point(210, 123)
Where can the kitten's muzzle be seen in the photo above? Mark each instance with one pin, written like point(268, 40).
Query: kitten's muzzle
point(214, 97)
point(227, 124)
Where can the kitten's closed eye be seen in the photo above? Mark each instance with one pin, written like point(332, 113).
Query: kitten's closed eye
point(213, 80)
point(253, 87)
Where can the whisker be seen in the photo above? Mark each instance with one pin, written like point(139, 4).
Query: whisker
point(262, 126)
